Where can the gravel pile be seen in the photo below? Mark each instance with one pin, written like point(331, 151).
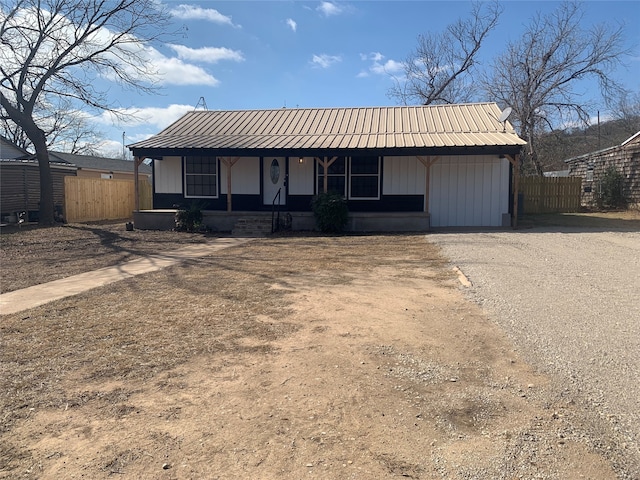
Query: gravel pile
point(569, 299)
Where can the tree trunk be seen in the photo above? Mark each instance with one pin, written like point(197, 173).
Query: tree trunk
point(528, 133)
point(46, 215)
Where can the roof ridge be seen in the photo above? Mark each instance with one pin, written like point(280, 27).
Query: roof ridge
point(381, 107)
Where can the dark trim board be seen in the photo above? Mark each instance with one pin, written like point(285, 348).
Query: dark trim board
point(177, 200)
point(163, 219)
point(158, 153)
point(295, 203)
point(389, 203)
point(298, 203)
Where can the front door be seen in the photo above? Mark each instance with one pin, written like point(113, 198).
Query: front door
point(273, 179)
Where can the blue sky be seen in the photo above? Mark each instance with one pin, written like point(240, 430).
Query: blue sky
point(274, 54)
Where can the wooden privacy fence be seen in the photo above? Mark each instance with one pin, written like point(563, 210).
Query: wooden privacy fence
point(550, 194)
point(93, 199)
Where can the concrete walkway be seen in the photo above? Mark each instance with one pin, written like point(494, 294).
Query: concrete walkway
point(37, 295)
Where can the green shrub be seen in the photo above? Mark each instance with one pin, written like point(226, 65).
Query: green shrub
point(330, 211)
point(189, 219)
point(611, 190)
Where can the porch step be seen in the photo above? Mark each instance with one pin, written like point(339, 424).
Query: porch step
point(258, 226)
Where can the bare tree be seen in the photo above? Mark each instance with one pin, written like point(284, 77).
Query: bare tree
point(539, 74)
point(65, 130)
point(627, 109)
point(440, 69)
point(55, 49)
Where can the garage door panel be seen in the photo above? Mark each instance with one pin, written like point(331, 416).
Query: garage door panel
point(469, 191)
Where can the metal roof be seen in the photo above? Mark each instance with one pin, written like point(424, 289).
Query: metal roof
point(404, 127)
point(635, 138)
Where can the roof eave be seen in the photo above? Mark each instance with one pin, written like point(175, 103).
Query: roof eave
point(158, 153)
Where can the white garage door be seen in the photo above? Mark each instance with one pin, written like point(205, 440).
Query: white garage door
point(469, 191)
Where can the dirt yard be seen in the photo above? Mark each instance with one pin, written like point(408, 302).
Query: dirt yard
point(292, 357)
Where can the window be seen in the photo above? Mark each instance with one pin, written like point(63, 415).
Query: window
point(201, 176)
point(589, 176)
point(364, 178)
point(336, 177)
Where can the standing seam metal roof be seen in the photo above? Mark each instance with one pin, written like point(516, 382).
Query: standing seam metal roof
point(459, 125)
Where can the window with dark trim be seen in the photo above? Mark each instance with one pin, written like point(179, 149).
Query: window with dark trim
point(336, 177)
point(201, 177)
point(364, 178)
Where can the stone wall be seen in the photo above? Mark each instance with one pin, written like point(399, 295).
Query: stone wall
point(591, 167)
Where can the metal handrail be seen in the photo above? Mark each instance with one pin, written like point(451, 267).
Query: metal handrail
point(275, 226)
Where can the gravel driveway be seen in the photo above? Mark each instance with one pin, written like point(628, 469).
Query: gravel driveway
point(569, 299)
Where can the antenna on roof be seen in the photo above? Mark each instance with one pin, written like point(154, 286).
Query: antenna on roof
point(201, 103)
point(503, 117)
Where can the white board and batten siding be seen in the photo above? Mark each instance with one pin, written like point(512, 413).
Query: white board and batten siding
point(301, 176)
point(245, 176)
point(167, 175)
point(403, 176)
point(469, 191)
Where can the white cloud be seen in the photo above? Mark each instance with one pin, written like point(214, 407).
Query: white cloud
point(138, 62)
point(292, 24)
point(158, 118)
point(111, 149)
point(379, 66)
point(190, 12)
point(325, 61)
point(207, 54)
point(329, 8)
point(386, 68)
point(173, 71)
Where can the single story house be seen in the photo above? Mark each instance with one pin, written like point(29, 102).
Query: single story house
point(20, 182)
point(592, 166)
point(20, 177)
point(403, 168)
point(9, 150)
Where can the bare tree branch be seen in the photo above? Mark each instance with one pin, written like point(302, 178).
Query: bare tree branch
point(439, 70)
point(539, 75)
point(52, 52)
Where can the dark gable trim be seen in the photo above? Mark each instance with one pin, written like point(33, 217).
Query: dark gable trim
point(158, 153)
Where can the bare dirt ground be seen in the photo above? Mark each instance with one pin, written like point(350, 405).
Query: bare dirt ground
point(291, 357)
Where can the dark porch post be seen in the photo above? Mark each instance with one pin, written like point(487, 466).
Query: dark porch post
point(515, 160)
point(136, 188)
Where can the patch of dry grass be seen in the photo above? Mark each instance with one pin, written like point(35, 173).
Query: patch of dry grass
point(32, 255)
point(58, 355)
